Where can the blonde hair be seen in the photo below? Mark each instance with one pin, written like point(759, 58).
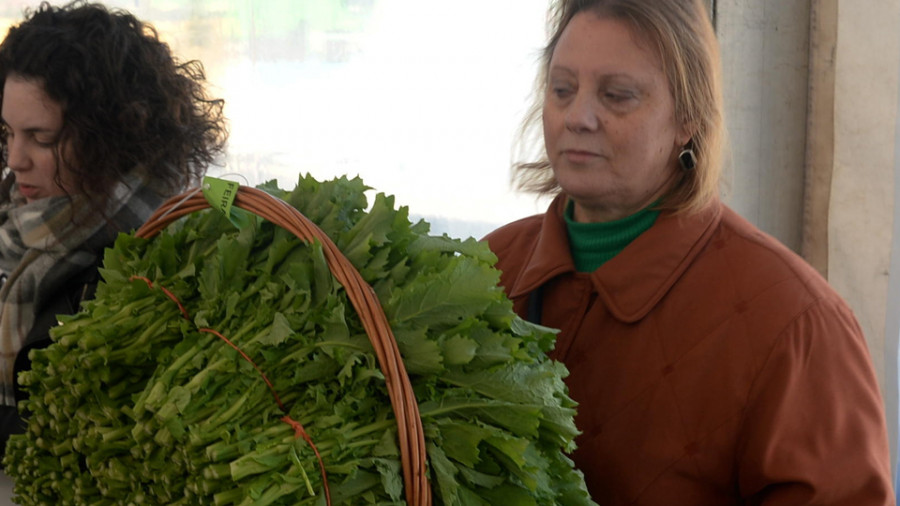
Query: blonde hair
point(683, 36)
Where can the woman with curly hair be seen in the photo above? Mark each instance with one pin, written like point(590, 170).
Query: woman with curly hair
point(100, 124)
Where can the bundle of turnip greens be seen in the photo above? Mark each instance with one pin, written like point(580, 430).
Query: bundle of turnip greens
point(133, 405)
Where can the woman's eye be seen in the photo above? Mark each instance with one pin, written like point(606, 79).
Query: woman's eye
point(561, 91)
point(617, 97)
point(45, 143)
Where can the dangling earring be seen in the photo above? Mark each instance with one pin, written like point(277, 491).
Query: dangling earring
point(687, 158)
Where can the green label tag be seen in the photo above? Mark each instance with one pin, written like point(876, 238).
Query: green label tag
point(220, 194)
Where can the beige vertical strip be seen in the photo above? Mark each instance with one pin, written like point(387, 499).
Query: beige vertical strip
point(820, 132)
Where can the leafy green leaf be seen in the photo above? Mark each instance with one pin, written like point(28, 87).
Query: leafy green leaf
point(444, 298)
point(459, 350)
point(279, 332)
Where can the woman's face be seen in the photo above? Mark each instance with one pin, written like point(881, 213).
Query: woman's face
point(33, 122)
point(609, 120)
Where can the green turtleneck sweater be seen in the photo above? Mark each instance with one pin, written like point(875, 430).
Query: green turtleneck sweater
point(593, 244)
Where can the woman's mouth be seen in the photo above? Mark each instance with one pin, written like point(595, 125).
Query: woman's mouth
point(29, 192)
point(577, 156)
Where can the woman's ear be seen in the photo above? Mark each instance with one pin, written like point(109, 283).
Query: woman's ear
point(684, 135)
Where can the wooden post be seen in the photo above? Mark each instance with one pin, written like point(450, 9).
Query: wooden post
point(820, 132)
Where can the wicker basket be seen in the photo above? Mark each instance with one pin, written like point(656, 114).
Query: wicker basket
point(410, 433)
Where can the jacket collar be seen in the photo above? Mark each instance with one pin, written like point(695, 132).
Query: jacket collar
point(635, 280)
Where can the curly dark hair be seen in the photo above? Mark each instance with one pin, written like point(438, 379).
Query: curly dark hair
point(127, 101)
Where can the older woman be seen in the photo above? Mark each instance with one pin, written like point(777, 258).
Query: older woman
point(712, 365)
point(100, 124)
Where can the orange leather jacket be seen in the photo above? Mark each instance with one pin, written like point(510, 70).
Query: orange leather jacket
point(712, 366)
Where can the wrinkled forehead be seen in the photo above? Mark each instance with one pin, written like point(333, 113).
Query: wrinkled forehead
point(642, 38)
point(643, 33)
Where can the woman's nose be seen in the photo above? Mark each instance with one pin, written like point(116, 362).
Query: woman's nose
point(17, 157)
point(582, 114)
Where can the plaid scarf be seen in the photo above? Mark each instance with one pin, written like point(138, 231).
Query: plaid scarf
point(46, 242)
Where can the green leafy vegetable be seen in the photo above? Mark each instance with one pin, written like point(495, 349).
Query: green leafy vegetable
point(133, 404)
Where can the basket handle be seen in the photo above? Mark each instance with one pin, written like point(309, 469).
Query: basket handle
point(406, 410)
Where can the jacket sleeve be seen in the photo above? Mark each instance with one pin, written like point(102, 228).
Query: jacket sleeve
point(814, 431)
